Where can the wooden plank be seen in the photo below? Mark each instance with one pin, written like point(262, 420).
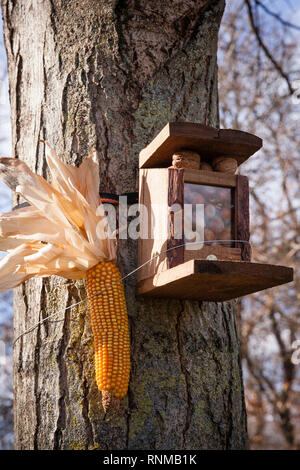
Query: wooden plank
point(242, 224)
point(223, 253)
point(214, 280)
point(175, 255)
point(208, 141)
point(153, 194)
point(208, 178)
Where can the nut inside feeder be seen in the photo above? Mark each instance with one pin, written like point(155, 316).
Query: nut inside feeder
point(191, 169)
point(218, 213)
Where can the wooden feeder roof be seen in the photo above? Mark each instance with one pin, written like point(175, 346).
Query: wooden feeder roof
point(209, 142)
point(214, 280)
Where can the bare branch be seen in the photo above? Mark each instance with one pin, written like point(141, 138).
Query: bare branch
point(277, 17)
point(265, 48)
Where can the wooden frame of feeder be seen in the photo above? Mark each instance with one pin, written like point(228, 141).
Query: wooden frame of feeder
point(186, 274)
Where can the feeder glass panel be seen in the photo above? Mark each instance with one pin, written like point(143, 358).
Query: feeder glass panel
point(217, 217)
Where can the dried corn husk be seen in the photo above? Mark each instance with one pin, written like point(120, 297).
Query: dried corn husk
point(62, 232)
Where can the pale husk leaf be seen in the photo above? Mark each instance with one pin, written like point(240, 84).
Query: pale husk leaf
point(61, 232)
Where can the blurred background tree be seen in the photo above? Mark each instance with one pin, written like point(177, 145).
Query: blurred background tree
point(258, 92)
point(259, 87)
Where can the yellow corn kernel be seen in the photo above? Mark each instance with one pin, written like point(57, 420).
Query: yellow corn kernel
point(110, 328)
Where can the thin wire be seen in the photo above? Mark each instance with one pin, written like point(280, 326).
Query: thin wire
point(117, 282)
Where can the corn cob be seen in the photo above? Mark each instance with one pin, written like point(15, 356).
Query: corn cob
point(110, 329)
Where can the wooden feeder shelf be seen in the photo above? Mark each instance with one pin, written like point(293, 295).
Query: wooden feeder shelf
point(214, 280)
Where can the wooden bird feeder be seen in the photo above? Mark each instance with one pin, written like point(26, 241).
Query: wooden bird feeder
point(189, 166)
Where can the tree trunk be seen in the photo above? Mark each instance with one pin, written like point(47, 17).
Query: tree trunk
point(110, 75)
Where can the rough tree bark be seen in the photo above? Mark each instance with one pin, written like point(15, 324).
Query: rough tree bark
point(111, 74)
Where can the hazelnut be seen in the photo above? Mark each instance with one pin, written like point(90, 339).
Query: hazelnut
point(209, 234)
point(226, 235)
point(210, 191)
point(216, 225)
point(186, 159)
point(224, 194)
point(225, 165)
point(198, 199)
point(206, 167)
point(210, 210)
point(225, 214)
